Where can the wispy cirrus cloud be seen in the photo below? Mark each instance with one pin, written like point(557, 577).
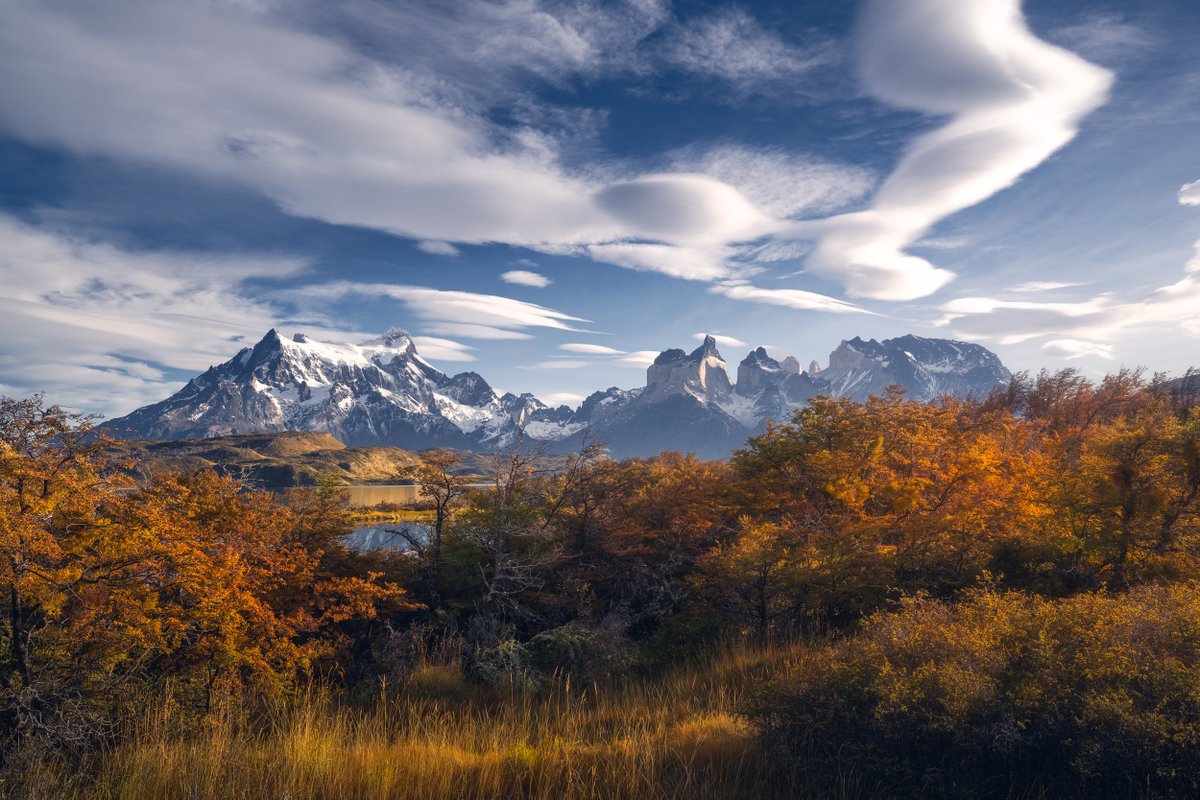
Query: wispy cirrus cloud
point(103, 327)
point(1107, 37)
point(1069, 349)
point(638, 358)
point(590, 349)
point(470, 314)
point(687, 263)
point(562, 398)
point(1084, 327)
point(1077, 328)
point(440, 349)
point(782, 184)
point(721, 340)
point(733, 46)
point(798, 299)
point(1040, 286)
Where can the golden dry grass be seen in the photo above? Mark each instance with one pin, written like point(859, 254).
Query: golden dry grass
point(679, 737)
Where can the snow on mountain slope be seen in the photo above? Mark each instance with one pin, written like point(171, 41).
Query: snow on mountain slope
point(382, 392)
point(928, 368)
point(377, 392)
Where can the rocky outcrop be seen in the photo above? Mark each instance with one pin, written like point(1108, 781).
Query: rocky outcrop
point(701, 373)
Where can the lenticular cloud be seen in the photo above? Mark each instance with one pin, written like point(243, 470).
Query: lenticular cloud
point(1013, 100)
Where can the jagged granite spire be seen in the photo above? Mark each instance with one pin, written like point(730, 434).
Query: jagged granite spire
point(701, 374)
point(707, 349)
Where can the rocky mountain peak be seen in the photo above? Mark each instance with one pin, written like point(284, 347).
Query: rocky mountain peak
point(707, 349)
point(393, 339)
point(928, 368)
point(469, 388)
point(670, 356)
point(701, 374)
point(755, 372)
point(382, 392)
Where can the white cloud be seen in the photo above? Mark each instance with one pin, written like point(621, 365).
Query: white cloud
point(591, 349)
point(470, 331)
point(437, 248)
point(523, 277)
point(940, 243)
point(638, 358)
point(492, 47)
point(1040, 286)
point(732, 46)
point(561, 398)
point(396, 135)
point(688, 263)
point(778, 251)
point(438, 349)
point(1106, 37)
point(1189, 194)
point(789, 298)
point(101, 328)
point(723, 341)
point(1076, 348)
point(1083, 327)
point(95, 326)
point(683, 209)
point(779, 183)
point(560, 364)
point(1013, 100)
point(965, 306)
point(340, 136)
point(470, 313)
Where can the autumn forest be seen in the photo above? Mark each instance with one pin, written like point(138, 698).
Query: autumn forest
point(968, 598)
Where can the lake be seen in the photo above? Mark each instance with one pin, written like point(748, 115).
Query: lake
point(384, 537)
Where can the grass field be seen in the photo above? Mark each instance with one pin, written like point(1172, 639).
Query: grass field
point(435, 737)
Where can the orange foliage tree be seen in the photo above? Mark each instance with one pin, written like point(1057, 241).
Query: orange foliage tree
point(115, 584)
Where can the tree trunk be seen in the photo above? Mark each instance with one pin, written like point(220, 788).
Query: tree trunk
point(20, 658)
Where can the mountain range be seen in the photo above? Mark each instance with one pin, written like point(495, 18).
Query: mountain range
point(381, 392)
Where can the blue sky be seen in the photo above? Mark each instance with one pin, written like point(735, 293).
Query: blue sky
point(549, 193)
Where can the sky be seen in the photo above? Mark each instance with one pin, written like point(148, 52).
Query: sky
point(550, 192)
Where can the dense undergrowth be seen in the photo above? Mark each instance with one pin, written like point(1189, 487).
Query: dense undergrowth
point(962, 599)
point(437, 736)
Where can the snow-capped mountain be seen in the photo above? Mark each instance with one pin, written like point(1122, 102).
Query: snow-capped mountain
point(381, 392)
point(689, 402)
point(928, 368)
point(377, 392)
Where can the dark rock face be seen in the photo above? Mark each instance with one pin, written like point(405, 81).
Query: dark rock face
point(677, 422)
point(383, 392)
